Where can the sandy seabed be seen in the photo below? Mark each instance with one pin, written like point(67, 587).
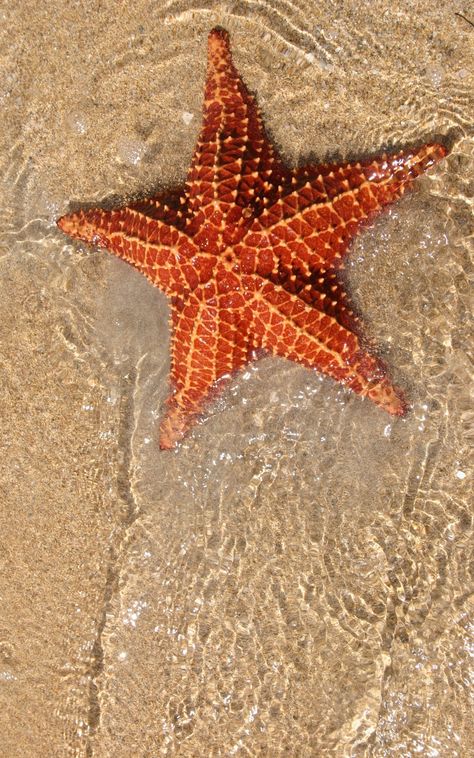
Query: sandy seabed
point(295, 579)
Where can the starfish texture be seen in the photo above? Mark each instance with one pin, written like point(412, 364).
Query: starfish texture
point(249, 251)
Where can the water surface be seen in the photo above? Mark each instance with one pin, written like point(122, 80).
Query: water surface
point(294, 580)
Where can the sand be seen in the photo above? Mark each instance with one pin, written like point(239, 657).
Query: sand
point(295, 579)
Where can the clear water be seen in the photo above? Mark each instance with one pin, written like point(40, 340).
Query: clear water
point(294, 580)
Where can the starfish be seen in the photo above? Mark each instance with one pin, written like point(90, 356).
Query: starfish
point(250, 252)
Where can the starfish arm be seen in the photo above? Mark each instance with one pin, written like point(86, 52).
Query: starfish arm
point(168, 207)
point(234, 164)
point(166, 256)
point(208, 344)
point(285, 326)
point(316, 221)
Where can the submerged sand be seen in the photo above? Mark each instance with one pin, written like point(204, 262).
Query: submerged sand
point(295, 579)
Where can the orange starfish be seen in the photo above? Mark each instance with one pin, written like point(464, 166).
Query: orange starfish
point(249, 251)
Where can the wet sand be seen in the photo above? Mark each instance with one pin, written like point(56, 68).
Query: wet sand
point(295, 579)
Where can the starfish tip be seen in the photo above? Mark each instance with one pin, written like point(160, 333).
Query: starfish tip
point(437, 152)
point(165, 444)
point(389, 397)
point(61, 223)
point(80, 226)
point(403, 407)
point(218, 39)
point(172, 429)
point(398, 405)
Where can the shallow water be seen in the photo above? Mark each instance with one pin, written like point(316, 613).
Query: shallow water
point(295, 579)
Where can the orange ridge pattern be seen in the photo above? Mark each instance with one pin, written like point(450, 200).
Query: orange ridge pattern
point(249, 251)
